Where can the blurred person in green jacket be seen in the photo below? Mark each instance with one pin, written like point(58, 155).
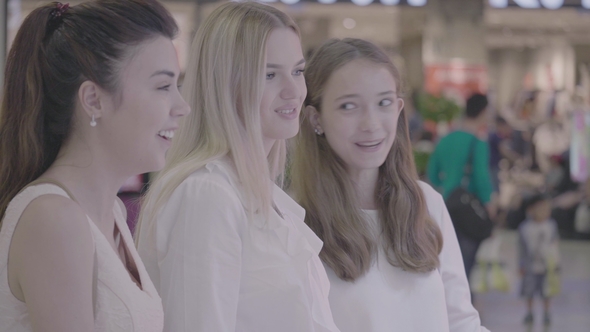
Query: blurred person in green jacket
point(446, 166)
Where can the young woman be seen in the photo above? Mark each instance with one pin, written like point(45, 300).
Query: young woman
point(389, 247)
point(90, 99)
point(227, 249)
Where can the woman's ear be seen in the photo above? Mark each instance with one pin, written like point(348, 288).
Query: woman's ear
point(400, 104)
point(314, 119)
point(90, 98)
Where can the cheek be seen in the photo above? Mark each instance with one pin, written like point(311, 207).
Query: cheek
point(393, 122)
point(337, 133)
point(264, 104)
point(268, 96)
point(303, 90)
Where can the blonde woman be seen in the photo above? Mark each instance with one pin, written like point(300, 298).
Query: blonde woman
point(227, 249)
point(389, 246)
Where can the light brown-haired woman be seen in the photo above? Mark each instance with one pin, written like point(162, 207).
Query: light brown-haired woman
point(389, 246)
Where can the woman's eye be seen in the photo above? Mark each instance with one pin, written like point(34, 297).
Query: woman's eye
point(270, 76)
point(165, 87)
point(299, 72)
point(347, 106)
point(385, 102)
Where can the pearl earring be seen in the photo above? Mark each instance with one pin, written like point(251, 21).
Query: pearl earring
point(92, 122)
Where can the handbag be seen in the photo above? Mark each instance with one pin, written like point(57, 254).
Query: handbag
point(491, 272)
point(552, 282)
point(467, 212)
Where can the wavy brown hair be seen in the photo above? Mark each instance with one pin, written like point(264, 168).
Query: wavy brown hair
point(52, 55)
point(321, 184)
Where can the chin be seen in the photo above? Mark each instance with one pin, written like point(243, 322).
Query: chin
point(153, 166)
point(371, 164)
point(287, 132)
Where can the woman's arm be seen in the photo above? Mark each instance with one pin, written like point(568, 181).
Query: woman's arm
point(200, 267)
point(51, 263)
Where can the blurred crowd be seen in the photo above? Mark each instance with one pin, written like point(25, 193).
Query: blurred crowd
point(531, 147)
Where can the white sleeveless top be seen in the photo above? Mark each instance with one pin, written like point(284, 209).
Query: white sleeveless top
point(119, 304)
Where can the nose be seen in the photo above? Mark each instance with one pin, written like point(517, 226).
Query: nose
point(369, 120)
point(290, 89)
point(180, 107)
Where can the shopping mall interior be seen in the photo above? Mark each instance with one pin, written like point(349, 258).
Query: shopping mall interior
point(531, 58)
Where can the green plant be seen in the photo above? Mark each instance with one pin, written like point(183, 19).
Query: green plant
point(437, 109)
point(421, 160)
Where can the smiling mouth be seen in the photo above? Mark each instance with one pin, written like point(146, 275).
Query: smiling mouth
point(166, 134)
point(369, 144)
point(289, 111)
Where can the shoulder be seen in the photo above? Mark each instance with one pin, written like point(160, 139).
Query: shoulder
point(553, 224)
point(54, 223)
point(211, 187)
point(430, 194)
point(482, 142)
point(214, 177)
point(445, 139)
point(524, 225)
point(206, 201)
point(53, 236)
point(54, 211)
point(433, 198)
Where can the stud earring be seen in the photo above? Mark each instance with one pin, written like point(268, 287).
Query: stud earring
point(318, 132)
point(92, 122)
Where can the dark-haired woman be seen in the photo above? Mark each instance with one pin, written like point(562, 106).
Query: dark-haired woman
point(90, 99)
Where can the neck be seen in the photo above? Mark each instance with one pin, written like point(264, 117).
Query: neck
point(471, 126)
point(365, 184)
point(91, 178)
point(268, 144)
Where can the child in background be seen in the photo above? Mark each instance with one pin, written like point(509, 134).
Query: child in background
point(538, 243)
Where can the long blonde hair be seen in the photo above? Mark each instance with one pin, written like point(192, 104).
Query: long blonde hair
point(413, 241)
point(224, 85)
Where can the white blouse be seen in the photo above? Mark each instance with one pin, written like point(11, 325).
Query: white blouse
point(388, 298)
point(218, 270)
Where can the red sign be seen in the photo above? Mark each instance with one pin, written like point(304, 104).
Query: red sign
point(456, 80)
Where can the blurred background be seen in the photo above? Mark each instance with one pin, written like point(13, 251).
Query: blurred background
point(530, 57)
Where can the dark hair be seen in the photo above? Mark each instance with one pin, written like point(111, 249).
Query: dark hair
point(535, 198)
point(476, 104)
point(53, 53)
point(501, 121)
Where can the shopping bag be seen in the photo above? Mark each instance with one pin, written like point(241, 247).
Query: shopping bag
point(499, 278)
point(490, 272)
point(552, 284)
point(479, 278)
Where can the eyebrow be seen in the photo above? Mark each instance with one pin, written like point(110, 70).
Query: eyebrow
point(275, 66)
point(356, 95)
point(163, 72)
point(346, 96)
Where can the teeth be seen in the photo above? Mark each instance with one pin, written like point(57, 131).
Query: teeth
point(285, 111)
point(168, 134)
point(366, 145)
